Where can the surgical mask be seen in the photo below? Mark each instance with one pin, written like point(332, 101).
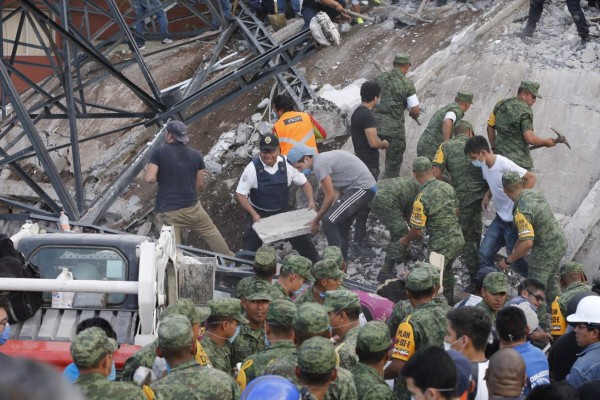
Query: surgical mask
point(330, 331)
point(307, 171)
point(477, 163)
point(448, 346)
point(5, 335)
point(299, 291)
point(273, 115)
point(112, 376)
point(237, 331)
point(267, 343)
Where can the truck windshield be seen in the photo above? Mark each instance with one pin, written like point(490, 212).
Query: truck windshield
point(85, 264)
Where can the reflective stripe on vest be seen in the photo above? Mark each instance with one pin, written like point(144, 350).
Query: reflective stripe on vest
point(294, 128)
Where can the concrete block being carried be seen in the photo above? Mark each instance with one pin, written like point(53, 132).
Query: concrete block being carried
point(285, 225)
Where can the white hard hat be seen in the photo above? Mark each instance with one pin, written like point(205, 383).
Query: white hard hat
point(588, 311)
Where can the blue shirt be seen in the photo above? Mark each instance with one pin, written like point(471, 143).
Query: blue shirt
point(587, 366)
point(536, 366)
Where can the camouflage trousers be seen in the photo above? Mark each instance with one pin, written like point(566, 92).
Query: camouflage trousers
point(545, 268)
point(451, 247)
point(427, 146)
point(393, 156)
point(471, 226)
point(393, 219)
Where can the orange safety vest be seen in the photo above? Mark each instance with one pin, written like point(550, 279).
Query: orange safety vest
point(559, 324)
point(294, 128)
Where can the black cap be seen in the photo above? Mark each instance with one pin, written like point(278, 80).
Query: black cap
point(177, 129)
point(268, 142)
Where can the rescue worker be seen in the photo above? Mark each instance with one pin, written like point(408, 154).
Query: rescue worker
point(539, 232)
point(263, 191)
point(397, 95)
point(587, 333)
point(435, 209)
point(493, 294)
point(251, 337)
point(327, 277)
point(222, 327)
point(572, 281)
point(316, 368)
point(372, 345)
point(510, 126)
point(279, 341)
point(441, 125)
point(264, 267)
point(146, 355)
point(295, 127)
point(344, 310)
point(393, 204)
point(425, 326)
point(294, 272)
point(470, 188)
point(93, 354)
point(187, 379)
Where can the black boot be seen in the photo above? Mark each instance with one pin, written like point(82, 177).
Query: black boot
point(583, 44)
point(527, 31)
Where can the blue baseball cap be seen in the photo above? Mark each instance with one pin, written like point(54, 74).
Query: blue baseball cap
point(296, 153)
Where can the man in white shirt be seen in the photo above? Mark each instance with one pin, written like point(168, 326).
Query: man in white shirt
point(263, 191)
point(502, 231)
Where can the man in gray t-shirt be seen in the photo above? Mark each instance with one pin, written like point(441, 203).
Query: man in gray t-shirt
point(344, 177)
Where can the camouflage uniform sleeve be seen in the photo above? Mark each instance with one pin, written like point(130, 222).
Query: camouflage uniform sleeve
point(131, 365)
point(398, 315)
point(524, 222)
point(418, 218)
point(379, 392)
point(526, 121)
point(439, 160)
point(345, 385)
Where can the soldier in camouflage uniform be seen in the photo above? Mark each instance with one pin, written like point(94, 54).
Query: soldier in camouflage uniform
point(265, 267)
point(469, 185)
point(397, 94)
point(294, 272)
point(311, 320)
point(393, 204)
point(372, 347)
point(344, 310)
point(316, 358)
point(441, 125)
point(251, 338)
point(335, 253)
point(572, 281)
point(493, 294)
point(435, 209)
point(188, 379)
point(425, 326)
point(510, 126)
point(92, 353)
point(539, 232)
point(146, 355)
point(280, 335)
point(327, 276)
point(222, 327)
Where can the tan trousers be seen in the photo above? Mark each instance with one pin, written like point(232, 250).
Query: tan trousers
point(196, 219)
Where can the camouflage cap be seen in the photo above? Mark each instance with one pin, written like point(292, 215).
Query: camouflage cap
point(464, 97)
point(227, 308)
point(282, 312)
point(481, 274)
point(433, 270)
point(511, 177)
point(317, 356)
point(334, 253)
point(571, 266)
point(419, 279)
point(326, 269)
point(464, 123)
point(175, 332)
point(265, 259)
point(311, 318)
point(337, 300)
point(422, 164)
point(90, 346)
point(298, 265)
point(258, 290)
point(402, 58)
point(532, 87)
point(373, 337)
point(186, 307)
point(496, 282)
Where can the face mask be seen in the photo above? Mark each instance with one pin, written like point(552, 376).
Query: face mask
point(237, 331)
point(267, 343)
point(477, 163)
point(448, 346)
point(274, 115)
point(299, 291)
point(113, 373)
point(307, 171)
point(5, 335)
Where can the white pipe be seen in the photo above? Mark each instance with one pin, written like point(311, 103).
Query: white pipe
point(55, 285)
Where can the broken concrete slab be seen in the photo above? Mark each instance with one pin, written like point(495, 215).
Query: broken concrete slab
point(285, 225)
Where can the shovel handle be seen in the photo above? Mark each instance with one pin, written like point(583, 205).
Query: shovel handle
point(359, 15)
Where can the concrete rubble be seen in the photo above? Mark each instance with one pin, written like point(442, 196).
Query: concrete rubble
point(285, 225)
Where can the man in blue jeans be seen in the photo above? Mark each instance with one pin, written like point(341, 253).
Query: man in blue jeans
point(502, 232)
point(141, 8)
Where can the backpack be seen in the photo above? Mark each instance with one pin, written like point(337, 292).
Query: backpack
point(23, 305)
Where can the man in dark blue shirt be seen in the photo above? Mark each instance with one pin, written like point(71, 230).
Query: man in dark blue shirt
point(179, 172)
